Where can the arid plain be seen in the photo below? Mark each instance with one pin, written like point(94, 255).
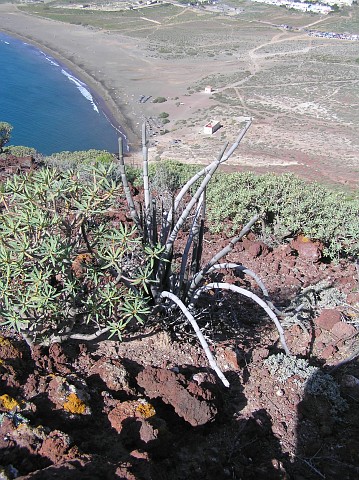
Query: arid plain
point(301, 91)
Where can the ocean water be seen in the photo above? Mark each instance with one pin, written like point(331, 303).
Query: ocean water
point(49, 108)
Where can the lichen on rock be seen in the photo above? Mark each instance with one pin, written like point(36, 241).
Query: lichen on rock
point(74, 405)
point(8, 402)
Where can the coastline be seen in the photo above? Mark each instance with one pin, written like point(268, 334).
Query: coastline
point(114, 109)
point(286, 134)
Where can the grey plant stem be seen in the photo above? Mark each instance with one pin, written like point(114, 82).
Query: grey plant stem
point(191, 236)
point(79, 336)
point(222, 157)
point(145, 168)
point(199, 334)
point(248, 294)
point(190, 182)
point(126, 187)
point(199, 276)
point(250, 273)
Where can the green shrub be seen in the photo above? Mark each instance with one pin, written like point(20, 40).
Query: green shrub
point(20, 151)
point(290, 207)
point(64, 265)
point(159, 100)
point(74, 160)
point(170, 175)
point(164, 115)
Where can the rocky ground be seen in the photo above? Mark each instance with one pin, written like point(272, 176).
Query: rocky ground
point(151, 408)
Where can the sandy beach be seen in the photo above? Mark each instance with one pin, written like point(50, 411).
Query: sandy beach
point(114, 66)
point(90, 55)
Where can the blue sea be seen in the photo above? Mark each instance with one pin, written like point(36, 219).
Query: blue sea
point(49, 108)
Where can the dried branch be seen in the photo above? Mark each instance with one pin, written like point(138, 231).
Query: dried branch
point(199, 334)
point(247, 271)
point(197, 278)
point(248, 294)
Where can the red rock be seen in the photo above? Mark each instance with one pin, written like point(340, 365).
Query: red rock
point(257, 248)
point(121, 412)
point(230, 358)
point(140, 455)
point(283, 250)
point(307, 249)
point(56, 446)
point(113, 374)
point(343, 330)
point(58, 358)
point(329, 351)
point(147, 432)
point(328, 318)
point(190, 401)
point(353, 298)
point(296, 331)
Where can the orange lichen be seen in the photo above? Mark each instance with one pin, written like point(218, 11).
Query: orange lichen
point(8, 402)
point(74, 404)
point(145, 410)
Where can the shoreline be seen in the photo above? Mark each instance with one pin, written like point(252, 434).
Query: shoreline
point(113, 109)
point(99, 100)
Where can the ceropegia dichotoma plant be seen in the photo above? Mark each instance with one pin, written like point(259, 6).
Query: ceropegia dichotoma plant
point(183, 285)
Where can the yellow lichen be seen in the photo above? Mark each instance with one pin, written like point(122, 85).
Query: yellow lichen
point(304, 239)
point(5, 342)
point(74, 404)
point(146, 410)
point(8, 402)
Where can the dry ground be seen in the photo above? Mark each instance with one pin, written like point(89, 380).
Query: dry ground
point(302, 92)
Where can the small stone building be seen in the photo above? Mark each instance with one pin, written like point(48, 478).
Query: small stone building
point(211, 127)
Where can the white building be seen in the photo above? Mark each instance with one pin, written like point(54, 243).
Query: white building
point(211, 127)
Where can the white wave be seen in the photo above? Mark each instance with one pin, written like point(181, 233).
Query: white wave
point(82, 88)
point(50, 59)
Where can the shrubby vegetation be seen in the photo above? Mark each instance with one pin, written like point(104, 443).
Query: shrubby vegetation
point(75, 160)
point(64, 265)
point(68, 269)
point(5, 134)
point(288, 205)
point(170, 175)
point(20, 151)
point(159, 100)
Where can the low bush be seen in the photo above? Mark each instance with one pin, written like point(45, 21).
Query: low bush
point(289, 206)
point(20, 151)
point(159, 100)
point(74, 160)
point(170, 175)
point(64, 266)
